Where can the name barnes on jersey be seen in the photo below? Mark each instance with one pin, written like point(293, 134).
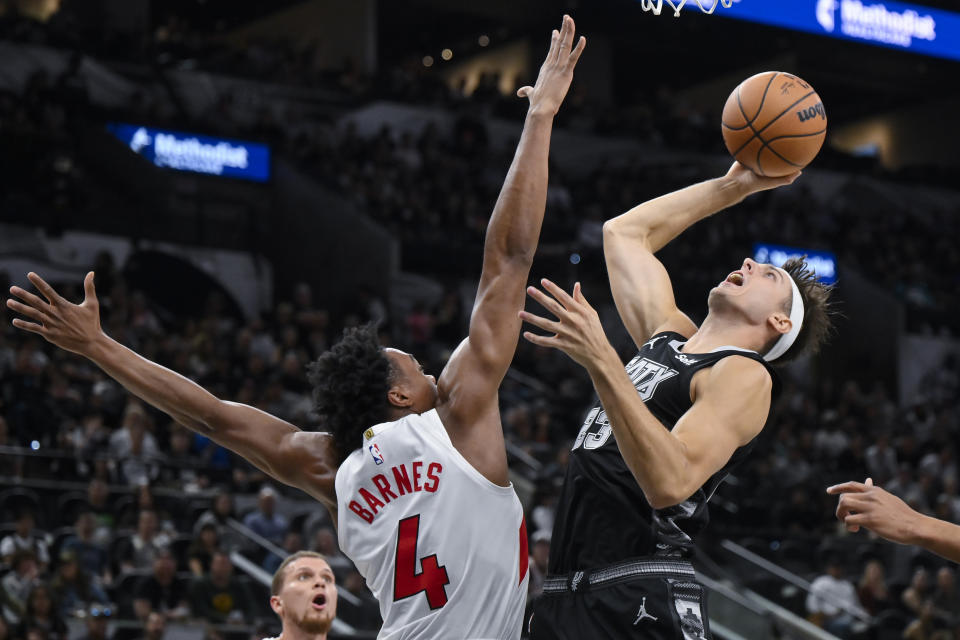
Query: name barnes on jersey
point(412, 481)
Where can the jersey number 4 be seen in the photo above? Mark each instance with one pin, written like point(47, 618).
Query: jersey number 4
point(406, 581)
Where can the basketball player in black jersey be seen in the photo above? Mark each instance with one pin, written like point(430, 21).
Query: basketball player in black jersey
point(670, 427)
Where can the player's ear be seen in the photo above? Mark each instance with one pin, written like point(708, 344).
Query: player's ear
point(398, 396)
point(780, 322)
point(276, 605)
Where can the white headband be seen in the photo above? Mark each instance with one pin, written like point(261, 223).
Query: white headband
point(796, 319)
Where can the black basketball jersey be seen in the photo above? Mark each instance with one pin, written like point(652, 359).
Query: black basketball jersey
point(602, 515)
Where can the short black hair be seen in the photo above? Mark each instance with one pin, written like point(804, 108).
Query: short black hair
point(350, 384)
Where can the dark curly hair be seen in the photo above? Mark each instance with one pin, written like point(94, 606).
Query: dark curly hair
point(817, 311)
point(350, 384)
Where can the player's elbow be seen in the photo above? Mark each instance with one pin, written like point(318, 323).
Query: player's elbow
point(616, 231)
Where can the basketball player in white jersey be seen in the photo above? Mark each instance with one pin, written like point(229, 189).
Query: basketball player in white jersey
point(303, 594)
point(413, 469)
point(667, 429)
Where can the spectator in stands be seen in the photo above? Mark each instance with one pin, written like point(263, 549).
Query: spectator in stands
point(17, 583)
point(98, 497)
point(41, 613)
point(92, 556)
point(832, 600)
point(539, 555)
point(97, 619)
point(265, 521)
point(180, 472)
point(220, 597)
point(135, 447)
point(155, 627)
point(946, 599)
point(924, 627)
point(73, 588)
point(919, 591)
point(325, 543)
point(303, 594)
point(881, 459)
point(161, 591)
point(205, 543)
point(26, 538)
point(141, 549)
point(872, 590)
point(292, 543)
point(220, 514)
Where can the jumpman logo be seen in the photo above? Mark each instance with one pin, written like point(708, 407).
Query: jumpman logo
point(643, 612)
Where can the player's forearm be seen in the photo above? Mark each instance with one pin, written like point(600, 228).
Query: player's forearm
point(938, 536)
point(181, 398)
point(514, 228)
point(654, 456)
point(656, 222)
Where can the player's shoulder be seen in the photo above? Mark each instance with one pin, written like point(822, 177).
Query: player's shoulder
point(738, 372)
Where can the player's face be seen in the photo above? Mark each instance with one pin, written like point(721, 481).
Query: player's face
point(757, 291)
point(413, 382)
point(308, 596)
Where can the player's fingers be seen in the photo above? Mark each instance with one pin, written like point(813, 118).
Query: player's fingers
point(546, 301)
point(31, 299)
point(28, 326)
point(537, 321)
point(562, 296)
point(577, 51)
point(89, 289)
point(48, 292)
point(855, 521)
point(27, 310)
point(869, 482)
point(566, 37)
point(847, 487)
point(540, 341)
point(523, 92)
point(579, 297)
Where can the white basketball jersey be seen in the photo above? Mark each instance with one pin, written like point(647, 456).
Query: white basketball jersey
point(443, 549)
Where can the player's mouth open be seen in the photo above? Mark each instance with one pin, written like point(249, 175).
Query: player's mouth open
point(735, 278)
point(320, 602)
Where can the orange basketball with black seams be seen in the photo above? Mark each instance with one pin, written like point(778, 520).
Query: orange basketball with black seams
point(774, 123)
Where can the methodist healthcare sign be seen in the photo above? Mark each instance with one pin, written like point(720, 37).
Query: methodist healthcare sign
point(823, 263)
point(915, 28)
point(200, 154)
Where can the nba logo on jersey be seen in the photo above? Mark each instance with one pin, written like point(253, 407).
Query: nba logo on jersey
point(375, 452)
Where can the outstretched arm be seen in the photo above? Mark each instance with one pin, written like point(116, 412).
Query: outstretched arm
point(305, 460)
point(865, 505)
point(730, 409)
point(640, 284)
point(469, 383)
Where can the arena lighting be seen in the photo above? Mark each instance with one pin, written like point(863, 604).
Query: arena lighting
point(446, 54)
point(428, 61)
point(898, 25)
point(483, 40)
point(823, 263)
point(196, 153)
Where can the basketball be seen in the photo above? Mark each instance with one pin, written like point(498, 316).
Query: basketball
point(774, 123)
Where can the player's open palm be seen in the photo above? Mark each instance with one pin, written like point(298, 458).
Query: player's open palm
point(556, 73)
point(577, 330)
point(73, 327)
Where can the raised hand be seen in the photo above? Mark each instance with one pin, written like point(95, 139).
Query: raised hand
point(74, 327)
point(864, 505)
point(556, 73)
point(751, 183)
point(577, 330)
